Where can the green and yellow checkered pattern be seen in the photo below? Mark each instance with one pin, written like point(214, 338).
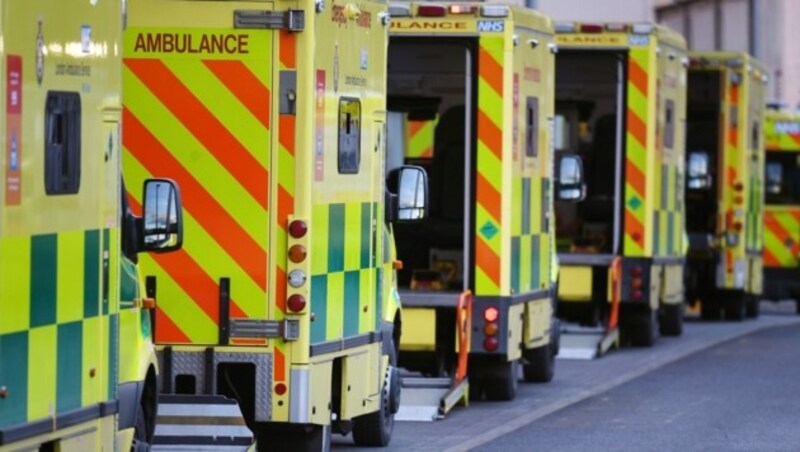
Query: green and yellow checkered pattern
point(530, 252)
point(343, 267)
point(59, 323)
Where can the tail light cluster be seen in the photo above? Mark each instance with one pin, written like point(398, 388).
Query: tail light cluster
point(297, 256)
point(491, 315)
point(636, 282)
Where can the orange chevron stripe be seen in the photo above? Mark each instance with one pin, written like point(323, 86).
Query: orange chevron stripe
point(769, 259)
point(244, 85)
point(632, 226)
point(286, 124)
point(734, 94)
point(796, 215)
point(772, 223)
point(168, 331)
point(490, 71)
point(214, 219)
point(489, 198)
point(490, 134)
point(414, 127)
point(202, 123)
point(638, 76)
point(288, 49)
point(635, 177)
point(636, 127)
point(279, 369)
point(487, 260)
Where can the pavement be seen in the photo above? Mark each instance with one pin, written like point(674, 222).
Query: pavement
point(575, 381)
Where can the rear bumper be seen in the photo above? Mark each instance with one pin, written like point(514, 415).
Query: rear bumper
point(781, 282)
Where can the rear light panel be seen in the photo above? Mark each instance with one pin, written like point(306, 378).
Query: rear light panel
point(591, 28)
point(431, 11)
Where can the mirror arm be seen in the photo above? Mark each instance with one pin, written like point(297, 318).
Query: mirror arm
point(138, 223)
point(390, 208)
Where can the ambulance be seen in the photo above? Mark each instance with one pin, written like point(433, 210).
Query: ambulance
point(725, 184)
point(782, 209)
point(77, 365)
point(484, 73)
point(620, 105)
point(271, 116)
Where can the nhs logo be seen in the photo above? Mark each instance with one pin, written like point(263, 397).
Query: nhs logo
point(491, 26)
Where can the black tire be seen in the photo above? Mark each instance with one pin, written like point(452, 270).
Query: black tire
point(140, 440)
point(709, 311)
point(643, 328)
point(735, 307)
point(502, 385)
point(375, 429)
point(753, 306)
point(797, 306)
point(293, 438)
point(671, 323)
point(540, 365)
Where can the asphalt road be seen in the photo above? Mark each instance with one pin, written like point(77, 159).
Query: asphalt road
point(740, 395)
point(613, 395)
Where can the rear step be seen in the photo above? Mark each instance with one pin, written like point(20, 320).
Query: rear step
point(586, 343)
point(429, 399)
point(200, 423)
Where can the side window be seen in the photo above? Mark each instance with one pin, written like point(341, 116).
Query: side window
point(62, 128)
point(349, 135)
point(532, 127)
point(669, 124)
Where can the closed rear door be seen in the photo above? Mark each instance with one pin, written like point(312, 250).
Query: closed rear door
point(197, 109)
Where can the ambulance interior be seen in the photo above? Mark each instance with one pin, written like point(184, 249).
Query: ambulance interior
point(432, 78)
point(590, 101)
point(702, 148)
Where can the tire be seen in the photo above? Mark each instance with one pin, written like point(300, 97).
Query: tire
point(671, 323)
point(540, 364)
point(502, 385)
point(140, 440)
point(753, 307)
point(735, 308)
point(643, 328)
point(293, 438)
point(375, 429)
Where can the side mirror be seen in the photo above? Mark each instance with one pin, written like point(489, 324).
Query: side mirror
point(162, 221)
point(408, 193)
point(569, 180)
point(698, 177)
point(774, 178)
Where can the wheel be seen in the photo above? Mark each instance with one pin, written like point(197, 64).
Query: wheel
point(709, 310)
point(753, 306)
point(671, 323)
point(735, 308)
point(293, 437)
point(140, 440)
point(502, 384)
point(540, 364)
point(643, 328)
point(375, 429)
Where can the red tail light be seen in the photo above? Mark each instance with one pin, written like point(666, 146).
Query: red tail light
point(636, 271)
point(491, 314)
point(636, 295)
point(280, 389)
point(298, 229)
point(490, 344)
point(591, 28)
point(296, 302)
point(431, 11)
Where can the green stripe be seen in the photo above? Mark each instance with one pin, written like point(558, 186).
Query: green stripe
point(43, 279)
point(352, 288)
point(335, 238)
point(515, 264)
point(366, 233)
point(526, 205)
point(14, 376)
point(536, 265)
point(319, 306)
point(106, 264)
point(379, 298)
point(91, 274)
point(69, 368)
point(113, 357)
